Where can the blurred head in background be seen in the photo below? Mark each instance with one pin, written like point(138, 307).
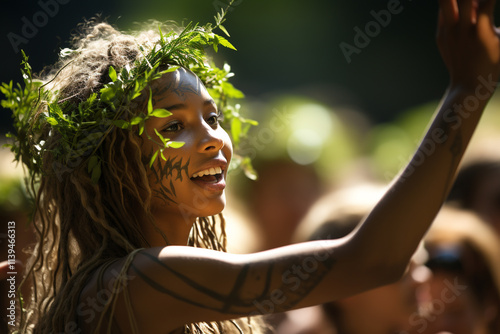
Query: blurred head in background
point(463, 294)
point(477, 188)
point(382, 310)
point(282, 196)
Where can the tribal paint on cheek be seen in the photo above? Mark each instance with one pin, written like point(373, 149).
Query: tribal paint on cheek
point(163, 172)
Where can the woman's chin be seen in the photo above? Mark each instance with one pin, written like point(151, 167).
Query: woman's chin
point(213, 209)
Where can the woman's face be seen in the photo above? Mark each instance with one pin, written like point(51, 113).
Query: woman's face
point(190, 181)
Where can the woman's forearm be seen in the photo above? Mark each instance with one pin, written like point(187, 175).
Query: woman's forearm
point(396, 225)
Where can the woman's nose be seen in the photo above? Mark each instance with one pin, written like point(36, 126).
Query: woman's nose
point(210, 140)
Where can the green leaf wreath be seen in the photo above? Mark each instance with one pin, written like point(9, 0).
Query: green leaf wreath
point(83, 127)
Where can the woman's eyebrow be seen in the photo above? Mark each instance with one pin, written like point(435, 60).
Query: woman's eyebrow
point(181, 106)
point(177, 106)
point(210, 103)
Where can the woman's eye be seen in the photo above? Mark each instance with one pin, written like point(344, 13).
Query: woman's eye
point(173, 127)
point(213, 120)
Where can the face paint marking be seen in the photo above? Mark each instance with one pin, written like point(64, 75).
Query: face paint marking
point(166, 172)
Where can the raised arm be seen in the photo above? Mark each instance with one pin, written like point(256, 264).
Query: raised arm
point(173, 286)
point(470, 47)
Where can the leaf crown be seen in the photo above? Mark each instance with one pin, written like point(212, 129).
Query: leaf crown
point(38, 111)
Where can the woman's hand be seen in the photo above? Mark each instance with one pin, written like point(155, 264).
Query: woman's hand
point(469, 41)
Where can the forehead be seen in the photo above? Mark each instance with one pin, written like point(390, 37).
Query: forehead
point(179, 83)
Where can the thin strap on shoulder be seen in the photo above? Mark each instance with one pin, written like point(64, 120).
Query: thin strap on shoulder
point(120, 285)
point(100, 274)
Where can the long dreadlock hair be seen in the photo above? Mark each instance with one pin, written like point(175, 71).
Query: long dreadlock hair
point(82, 224)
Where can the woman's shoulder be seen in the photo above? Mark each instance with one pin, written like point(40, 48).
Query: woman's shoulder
point(104, 297)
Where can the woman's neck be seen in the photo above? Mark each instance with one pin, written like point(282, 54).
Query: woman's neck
point(175, 229)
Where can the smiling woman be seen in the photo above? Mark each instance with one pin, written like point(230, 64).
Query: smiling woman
point(127, 164)
point(127, 124)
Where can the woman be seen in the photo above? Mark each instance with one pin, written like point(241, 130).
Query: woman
point(116, 206)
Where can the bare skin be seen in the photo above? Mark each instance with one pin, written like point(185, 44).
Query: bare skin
point(175, 285)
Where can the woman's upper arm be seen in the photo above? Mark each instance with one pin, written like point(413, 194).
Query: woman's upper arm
point(172, 286)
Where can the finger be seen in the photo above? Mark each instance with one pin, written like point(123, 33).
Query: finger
point(485, 14)
point(486, 7)
point(466, 12)
point(448, 11)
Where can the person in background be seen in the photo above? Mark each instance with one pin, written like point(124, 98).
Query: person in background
point(382, 310)
point(477, 188)
point(279, 200)
point(463, 294)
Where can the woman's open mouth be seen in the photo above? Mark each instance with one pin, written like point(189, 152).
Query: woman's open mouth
point(211, 178)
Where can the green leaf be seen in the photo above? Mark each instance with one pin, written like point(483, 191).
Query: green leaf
point(92, 162)
point(236, 130)
point(5, 89)
point(163, 140)
point(150, 102)
point(170, 69)
point(107, 94)
point(251, 122)
point(175, 144)
point(215, 43)
point(224, 42)
point(121, 123)
point(248, 169)
point(153, 158)
point(232, 92)
point(136, 120)
point(112, 73)
point(52, 121)
point(96, 173)
point(160, 113)
point(221, 27)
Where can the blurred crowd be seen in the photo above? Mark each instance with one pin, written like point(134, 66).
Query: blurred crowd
point(324, 186)
point(320, 171)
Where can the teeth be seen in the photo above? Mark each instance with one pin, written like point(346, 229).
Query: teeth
point(210, 171)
